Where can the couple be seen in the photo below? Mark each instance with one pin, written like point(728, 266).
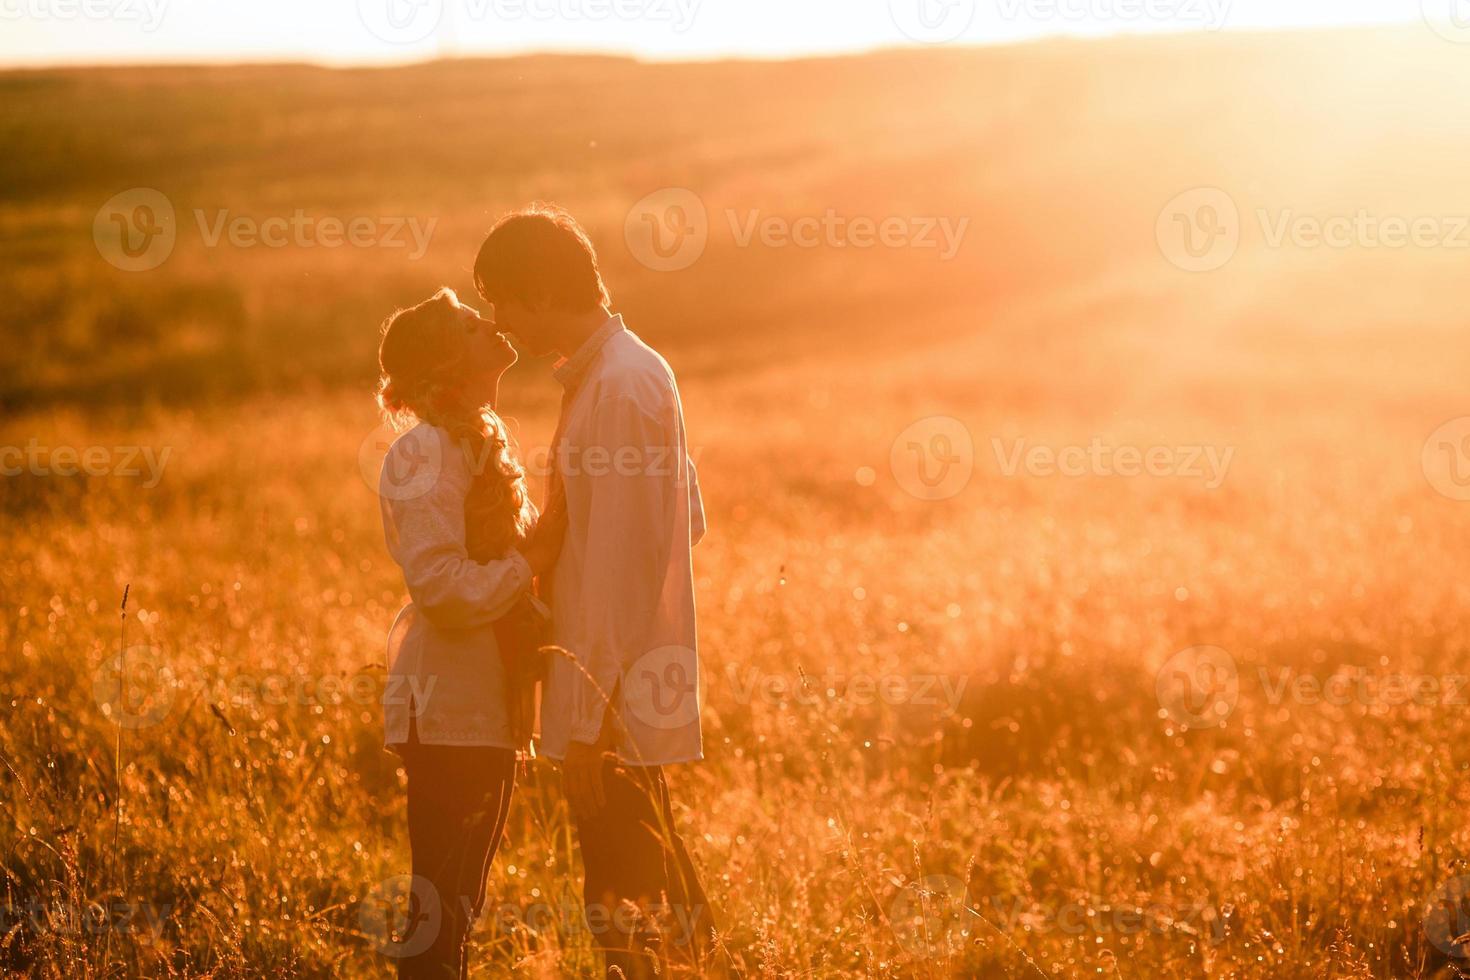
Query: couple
point(610, 555)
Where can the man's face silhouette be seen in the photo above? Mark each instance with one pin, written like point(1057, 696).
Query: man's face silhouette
point(532, 326)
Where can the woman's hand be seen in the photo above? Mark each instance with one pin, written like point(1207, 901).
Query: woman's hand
point(581, 773)
point(544, 545)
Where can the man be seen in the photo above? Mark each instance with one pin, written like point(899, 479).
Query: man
point(624, 701)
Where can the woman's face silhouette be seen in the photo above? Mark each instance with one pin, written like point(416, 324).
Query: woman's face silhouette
point(487, 353)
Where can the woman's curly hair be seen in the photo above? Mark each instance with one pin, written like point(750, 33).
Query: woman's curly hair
point(419, 361)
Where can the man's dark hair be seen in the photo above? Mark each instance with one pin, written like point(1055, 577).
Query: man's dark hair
point(540, 255)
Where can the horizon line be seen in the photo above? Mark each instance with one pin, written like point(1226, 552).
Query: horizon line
point(361, 64)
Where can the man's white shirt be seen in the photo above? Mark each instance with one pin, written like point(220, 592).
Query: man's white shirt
point(623, 589)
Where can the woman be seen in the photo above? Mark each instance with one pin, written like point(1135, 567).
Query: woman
point(459, 522)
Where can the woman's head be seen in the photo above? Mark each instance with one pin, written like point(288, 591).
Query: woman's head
point(441, 363)
point(440, 355)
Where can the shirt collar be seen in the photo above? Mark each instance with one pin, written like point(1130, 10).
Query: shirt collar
point(571, 370)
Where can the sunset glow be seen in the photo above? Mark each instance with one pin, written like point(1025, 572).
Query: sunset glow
point(41, 32)
point(717, 489)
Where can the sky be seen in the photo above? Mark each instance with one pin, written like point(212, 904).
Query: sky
point(51, 32)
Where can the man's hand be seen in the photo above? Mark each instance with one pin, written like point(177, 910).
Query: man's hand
point(581, 773)
point(544, 545)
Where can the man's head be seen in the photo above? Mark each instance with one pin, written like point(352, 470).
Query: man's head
point(539, 269)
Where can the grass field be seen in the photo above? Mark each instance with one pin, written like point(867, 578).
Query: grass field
point(945, 737)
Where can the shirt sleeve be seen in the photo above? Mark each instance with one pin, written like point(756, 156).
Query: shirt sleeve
point(630, 531)
point(423, 521)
